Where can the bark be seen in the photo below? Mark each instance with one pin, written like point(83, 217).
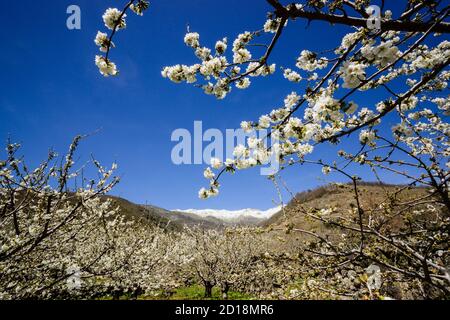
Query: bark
point(208, 289)
point(225, 289)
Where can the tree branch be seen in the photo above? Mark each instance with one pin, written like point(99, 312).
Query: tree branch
point(391, 25)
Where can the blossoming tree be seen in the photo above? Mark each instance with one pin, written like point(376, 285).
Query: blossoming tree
point(223, 258)
point(60, 237)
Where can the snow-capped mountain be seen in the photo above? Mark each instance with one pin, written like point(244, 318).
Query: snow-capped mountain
point(243, 216)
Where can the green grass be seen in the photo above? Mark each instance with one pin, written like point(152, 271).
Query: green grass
point(197, 292)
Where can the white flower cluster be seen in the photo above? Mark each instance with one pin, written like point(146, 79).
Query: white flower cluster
point(443, 104)
point(423, 58)
point(211, 67)
point(290, 138)
point(114, 19)
point(326, 170)
point(272, 25)
point(140, 7)
point(243, 83)
point(191, 39)
point(409, 103)
point(292, 75)
point(382, 55)
point(218, 73)
point(180, 73)
point(208, 193)
point(367, 137)
point(308, 61)
point(353, 73)
point(347, 41)
point(106, 67)
point(221, 46)
point(291, 100)
point(323, 108)
point(102, 41)
point(246, 126)
point(245, 157)
point(213, 190)
point(254, 69)
point(241, 55)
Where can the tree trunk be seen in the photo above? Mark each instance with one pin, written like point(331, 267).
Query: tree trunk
point(225, 289)
point(208, 289)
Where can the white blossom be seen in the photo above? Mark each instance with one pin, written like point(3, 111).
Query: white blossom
point(264, 122)
point(221, 46)
point(246, 126)
point(191, 39)
point(292, 75)
point(291, 100)
point(353, 73)
point(272, 25)
point(240, 150)
point(102, 41)
point(243, 83)
point(106, 67)
point(216, 163)
point(366, 137)
point(208, 174)
point(112, 18)
point(308, 61)
point(326, 170)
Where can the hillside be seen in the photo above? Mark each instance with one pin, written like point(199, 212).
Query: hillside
point(340, 197)
point(159, 216)
point(151, 215)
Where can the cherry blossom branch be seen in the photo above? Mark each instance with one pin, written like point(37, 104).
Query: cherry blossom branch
point(293, 12)
point(425, 79)
point(116, 24)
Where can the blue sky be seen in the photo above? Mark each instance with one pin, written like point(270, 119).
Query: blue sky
point(52, 91)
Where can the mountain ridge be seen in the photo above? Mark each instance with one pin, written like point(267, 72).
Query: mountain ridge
point(207, 218)
point(247, 216)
